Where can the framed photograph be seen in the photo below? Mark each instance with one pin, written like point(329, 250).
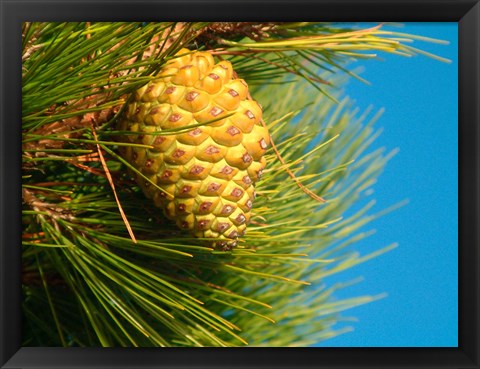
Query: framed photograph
point(239, 184)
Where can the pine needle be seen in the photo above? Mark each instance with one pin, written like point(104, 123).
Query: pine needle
point(173, 289)
point(291, 174)
point(112, 185)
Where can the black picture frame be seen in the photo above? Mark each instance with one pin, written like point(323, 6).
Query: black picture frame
point(465, 12)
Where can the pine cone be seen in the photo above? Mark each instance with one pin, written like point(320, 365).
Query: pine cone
point(208, 145)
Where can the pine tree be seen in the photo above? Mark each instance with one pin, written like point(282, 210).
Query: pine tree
point(103, 266)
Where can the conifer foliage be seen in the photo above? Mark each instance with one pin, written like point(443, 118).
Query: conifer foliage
point(108, 260)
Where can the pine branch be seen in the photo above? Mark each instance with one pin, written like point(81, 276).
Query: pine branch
point(87, 283)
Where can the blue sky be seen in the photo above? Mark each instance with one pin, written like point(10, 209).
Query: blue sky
point(419, 95)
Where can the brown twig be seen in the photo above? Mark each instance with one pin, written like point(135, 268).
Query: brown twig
point(217, 30)
point(36, 204)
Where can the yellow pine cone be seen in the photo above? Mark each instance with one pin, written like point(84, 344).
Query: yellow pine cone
point(205, 174)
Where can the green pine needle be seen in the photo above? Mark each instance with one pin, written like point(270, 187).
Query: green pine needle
point(86, 283)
